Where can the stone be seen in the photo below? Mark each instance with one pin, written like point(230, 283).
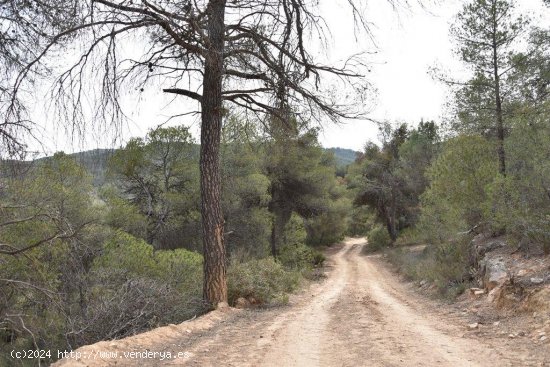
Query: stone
point(473, 326)
point(494, 294)
point(537, 280)
point(494, 270)
point(522, 272)
point(482, 246)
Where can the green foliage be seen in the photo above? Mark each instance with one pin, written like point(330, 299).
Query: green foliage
point(158, 176)
point(111, 271)
point(295, 231)
point(458, 178)
point(390, 179)
point(446, 265)
point(378, 238)
point(303, 182)
point(122, 214)
point(520, 202)
point(136, 258)
point(246, 195)
point(136, 287)
point(300, 257)
point(50, 216)
point(264, 281)
point(361, 220)
point(487, 33)
point(330, 226)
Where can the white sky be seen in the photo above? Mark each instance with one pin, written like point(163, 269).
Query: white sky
point(409, 42)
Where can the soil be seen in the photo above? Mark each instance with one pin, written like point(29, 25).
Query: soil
point(361, 314)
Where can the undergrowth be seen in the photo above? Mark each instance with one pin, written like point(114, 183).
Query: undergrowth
point(268, 281)
point(446, 266)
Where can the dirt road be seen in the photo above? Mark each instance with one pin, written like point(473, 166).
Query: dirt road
point(361, 315)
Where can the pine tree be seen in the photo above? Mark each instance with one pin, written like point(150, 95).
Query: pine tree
point(487, 31)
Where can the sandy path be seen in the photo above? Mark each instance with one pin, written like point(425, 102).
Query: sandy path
point(364, 319)
point(362, 315)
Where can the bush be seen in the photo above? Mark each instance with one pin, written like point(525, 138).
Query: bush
point(138, 258)
point(361, 221)
point(264, 280)
point(300, 257)
point(378, 238)
point(134, 288)
point(446, 266)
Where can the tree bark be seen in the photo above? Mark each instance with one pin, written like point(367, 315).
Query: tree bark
point(500, 127)
point(498, 100)
point(281, 218)
point(388, 212)
point(215, 281)
point(391, 227)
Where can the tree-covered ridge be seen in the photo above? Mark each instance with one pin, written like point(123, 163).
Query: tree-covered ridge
point(95, 161)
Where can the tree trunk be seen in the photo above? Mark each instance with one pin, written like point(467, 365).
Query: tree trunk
point(391, 225)
point(498, 103)
point(500, 132)
point(281, 218)
point(392, 230)
point(215, 282)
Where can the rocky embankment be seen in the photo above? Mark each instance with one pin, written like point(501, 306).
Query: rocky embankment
point(512, 299)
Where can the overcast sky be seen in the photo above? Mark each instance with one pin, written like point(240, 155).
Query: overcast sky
point(408, 43)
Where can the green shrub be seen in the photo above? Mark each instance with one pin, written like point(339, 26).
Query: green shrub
point(135, 288)
point(264, 280)
point(446, 266)
point(300, 257)
point(318, 258)
point(295, 230)
point(136, 257)
point(378, 238)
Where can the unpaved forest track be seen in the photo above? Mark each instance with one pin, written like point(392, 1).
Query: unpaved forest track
point(362, 315)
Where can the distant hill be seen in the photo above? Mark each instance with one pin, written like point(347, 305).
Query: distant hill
point(343, 156)
point(95, 161)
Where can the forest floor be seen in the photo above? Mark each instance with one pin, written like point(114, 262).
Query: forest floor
point(360, 314)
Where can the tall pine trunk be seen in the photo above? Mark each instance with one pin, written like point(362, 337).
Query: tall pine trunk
point(500, 126)
point(498, 99)
point(215, 281)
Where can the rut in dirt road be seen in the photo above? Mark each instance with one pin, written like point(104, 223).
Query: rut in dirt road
point(361, 315)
